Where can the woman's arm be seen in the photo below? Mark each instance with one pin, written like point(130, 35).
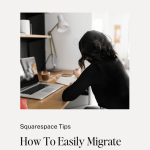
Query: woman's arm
point(89, 76)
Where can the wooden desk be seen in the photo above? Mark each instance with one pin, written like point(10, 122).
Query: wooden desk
point(53, 101)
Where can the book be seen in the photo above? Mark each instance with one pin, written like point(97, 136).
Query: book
point(66, 80)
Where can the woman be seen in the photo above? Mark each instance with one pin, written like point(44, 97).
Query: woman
point(106, 74)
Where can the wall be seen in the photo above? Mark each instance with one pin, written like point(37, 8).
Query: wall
point(123, 20)
point(105, 18)
point(66, 44)
point(109, 21)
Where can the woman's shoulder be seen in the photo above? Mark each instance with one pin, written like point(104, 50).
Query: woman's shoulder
point(105, 65)
point(107, 62)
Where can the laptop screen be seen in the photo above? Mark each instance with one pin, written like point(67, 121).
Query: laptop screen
point(28, 72)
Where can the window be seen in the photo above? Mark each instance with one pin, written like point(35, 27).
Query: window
point(98, 25)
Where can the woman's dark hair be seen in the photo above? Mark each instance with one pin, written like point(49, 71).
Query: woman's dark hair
point(95, 45)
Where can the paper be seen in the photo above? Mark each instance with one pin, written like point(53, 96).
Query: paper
point(66, 80)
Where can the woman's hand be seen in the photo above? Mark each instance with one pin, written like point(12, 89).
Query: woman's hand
point(71, 83)
point(77, 72)
point(118, 56)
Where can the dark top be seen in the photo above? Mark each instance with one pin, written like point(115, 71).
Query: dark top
point(109, 81)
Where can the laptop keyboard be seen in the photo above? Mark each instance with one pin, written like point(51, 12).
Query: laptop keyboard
point(34, 89)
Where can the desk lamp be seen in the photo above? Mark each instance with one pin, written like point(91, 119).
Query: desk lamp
point(62, 26)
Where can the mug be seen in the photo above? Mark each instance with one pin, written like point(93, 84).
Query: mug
point(45, 75)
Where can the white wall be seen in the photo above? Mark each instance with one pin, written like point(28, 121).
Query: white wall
point(66, 44)
point(109, 21)
point(105, 19)
point(123, 20)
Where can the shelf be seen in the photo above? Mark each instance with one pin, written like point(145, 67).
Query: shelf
point(30, 15)
point(34, 36)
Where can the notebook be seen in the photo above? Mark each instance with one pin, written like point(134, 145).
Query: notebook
point(66, 80)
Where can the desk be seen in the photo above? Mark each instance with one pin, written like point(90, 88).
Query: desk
point(53, 101)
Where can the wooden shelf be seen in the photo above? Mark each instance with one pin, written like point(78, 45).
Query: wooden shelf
point(34, 36)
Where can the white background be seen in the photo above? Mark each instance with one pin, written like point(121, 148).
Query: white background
point(131, 126)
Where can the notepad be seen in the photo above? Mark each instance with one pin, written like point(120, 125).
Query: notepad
point(66, 80)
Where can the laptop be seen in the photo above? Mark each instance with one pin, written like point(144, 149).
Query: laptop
point(30, 87)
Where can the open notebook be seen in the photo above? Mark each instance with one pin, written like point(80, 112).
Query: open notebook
point(66, 80)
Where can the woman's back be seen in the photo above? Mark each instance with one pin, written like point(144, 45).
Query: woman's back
point(109, 81)
point(112, 88)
